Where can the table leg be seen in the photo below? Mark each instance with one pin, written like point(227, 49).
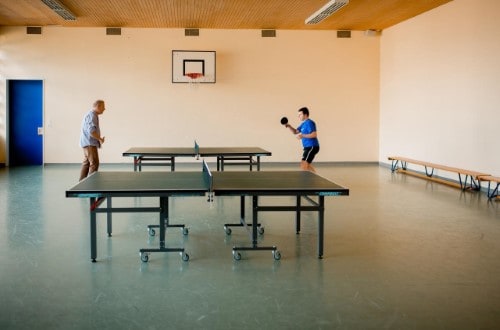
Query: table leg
point(242, 206)
point(242, 222)
point(93, 231)
point(163, 224)
point(321, 226)
point(163, 218)
point(221, 163)
point(109, 217)
point(255, 224)
point(255, 204)
point(297, 216)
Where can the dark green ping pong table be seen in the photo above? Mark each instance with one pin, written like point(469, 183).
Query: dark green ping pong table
point(101, 186)
point(165, 156)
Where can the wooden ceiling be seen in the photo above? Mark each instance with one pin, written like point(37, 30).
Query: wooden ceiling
point(215, 14)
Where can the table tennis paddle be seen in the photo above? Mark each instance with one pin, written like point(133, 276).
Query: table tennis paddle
point(284, 121)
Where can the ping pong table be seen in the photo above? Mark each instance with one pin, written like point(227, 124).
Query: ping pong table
point(101, 186)
point(165, 156)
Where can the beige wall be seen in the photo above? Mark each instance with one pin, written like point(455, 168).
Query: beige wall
point(440, 87)
point(258, 81)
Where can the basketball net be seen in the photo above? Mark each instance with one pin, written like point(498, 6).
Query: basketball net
point(194, 78)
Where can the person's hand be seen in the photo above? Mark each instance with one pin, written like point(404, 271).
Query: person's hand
point(298, 136)
point(102, 139)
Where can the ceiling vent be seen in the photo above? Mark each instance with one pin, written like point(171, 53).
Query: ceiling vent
point(33, 30)
point(191, 32)
point(60, 9)
point(325, 11)
point(343, 34)
point(268, 33)
point(113, 31)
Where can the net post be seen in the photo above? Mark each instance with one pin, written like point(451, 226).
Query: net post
point(196, 150)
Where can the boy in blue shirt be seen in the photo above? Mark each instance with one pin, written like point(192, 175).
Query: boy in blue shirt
point(306, 132)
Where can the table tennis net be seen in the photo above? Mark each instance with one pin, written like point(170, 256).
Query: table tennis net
point(196, 148)
point(207, 176)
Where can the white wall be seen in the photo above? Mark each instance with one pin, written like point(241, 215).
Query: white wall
point(258, 81)
point(440, 87)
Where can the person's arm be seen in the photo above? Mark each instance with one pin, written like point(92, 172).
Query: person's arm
point(97, 137)
point(94, 129)
point(309, 136)
point(292, 129)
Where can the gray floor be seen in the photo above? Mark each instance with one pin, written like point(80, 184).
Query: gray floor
point(400, 253)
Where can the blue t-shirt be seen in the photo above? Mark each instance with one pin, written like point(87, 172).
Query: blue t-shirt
point(307, 127)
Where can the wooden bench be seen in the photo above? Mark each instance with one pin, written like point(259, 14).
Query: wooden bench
point(492, 193)
point(467, 179)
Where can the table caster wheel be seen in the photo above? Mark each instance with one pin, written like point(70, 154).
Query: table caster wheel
point(236, 255)
point(261, 230)
point(144, 256)
point(276, 255)
point(227, 230)
point(151, 231)
point(185, 256)
point(185, 230)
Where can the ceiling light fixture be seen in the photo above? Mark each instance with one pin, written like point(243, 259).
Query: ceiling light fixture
point(325, 11)
point(60, 9)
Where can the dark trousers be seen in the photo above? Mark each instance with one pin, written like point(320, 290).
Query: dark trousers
point(90, 162)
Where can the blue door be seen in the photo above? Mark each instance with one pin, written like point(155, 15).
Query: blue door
point(25, 130)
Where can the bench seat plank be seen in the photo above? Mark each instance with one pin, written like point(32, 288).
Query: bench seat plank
point(475, 174)
point(431, 178)
point(490, 178)
point(470, 176)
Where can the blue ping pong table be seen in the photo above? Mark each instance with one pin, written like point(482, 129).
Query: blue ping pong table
point(165, 156)
point(101, 186)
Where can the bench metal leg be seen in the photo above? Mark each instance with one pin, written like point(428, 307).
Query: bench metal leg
point(474, 184)
point(493, 193)
point(429, 174)
point(394, 165)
